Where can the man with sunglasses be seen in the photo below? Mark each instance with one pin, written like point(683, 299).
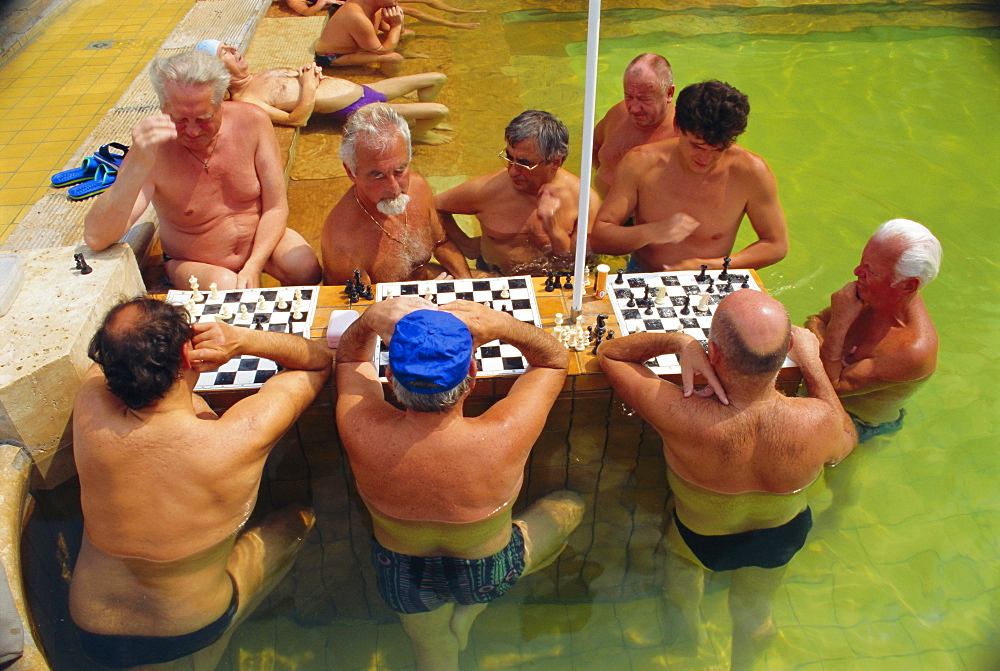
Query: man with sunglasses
point(688, 195)
point(527, 210)
point(213, 171)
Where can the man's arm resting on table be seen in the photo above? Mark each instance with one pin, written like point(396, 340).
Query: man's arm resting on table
point(284, 396)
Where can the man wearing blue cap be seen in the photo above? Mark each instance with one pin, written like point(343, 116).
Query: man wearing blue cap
point(440, 486)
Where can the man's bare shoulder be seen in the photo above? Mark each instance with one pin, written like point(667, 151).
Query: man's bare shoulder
point(749, 166)
point(613, 118)
point(243, 112)
point(650, 154)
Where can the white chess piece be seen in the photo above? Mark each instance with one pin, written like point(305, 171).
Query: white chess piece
point(296, 315)
point(243, 311)
point(661, 296)
point(260, 303)
point(505, 293)
point(282, 304)
point(298, 295)
point(705, 300)
point(224, 312)
point(213, 291)
point(195, 294)
point(191, 308)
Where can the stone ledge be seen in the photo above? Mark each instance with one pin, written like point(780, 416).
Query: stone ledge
point(46, 333)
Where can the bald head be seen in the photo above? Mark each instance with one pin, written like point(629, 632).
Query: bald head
point(654, 67)
point(752, 332)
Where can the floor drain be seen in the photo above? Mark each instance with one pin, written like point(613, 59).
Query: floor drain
point(100, 44)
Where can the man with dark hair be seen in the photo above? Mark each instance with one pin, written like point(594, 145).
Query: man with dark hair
point(689, 194)
point(440, 486)
point(213, 172)
point(645, 115)
point(166, 569)
point(528, 209)
point(739, 454)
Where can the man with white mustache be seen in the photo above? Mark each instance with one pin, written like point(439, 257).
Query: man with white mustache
point(385, 225)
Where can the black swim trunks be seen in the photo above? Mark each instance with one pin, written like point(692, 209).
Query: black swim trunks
point(764, 548)
point(122, 652)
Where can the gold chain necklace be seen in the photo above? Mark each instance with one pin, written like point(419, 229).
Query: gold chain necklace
point(210, 153)
point(406, 222)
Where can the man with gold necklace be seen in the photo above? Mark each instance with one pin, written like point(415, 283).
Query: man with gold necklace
point(385, 225)
point(212, 170)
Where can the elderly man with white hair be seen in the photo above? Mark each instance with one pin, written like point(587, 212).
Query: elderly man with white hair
point(213, 171)
point(385, 225)
point(878, 342)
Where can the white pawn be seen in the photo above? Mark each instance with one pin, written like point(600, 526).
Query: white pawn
point(296, 315)
point(243, 311)
point(224, 312)
point(586, 277)
point(260, 302)
point(213, 291)
point(298, 295)
point(282, 304)
point(505, 293)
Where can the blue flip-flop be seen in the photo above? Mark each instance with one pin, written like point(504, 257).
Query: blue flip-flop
point(103, 179)
point(76, 175)
point(103, 156)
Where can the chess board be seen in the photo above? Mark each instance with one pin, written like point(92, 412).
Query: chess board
point(669, 316)
point(494, 358)
point(248, 372)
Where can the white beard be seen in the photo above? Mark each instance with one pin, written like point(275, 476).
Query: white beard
point(393, 206)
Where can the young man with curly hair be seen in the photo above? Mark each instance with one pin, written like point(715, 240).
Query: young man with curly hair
point(689, 194)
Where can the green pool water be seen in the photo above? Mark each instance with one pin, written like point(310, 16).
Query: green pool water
point(865, 112)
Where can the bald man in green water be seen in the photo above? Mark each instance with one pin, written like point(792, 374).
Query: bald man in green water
point(739, 454)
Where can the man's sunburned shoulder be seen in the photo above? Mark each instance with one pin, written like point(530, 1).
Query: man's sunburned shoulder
point(613, 117)
point(243, 110)
point(648, 155)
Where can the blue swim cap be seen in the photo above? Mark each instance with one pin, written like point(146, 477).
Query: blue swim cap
point(209, 46)
point(430, 351)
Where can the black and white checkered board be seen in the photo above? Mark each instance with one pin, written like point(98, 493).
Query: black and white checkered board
point(248, 372)
point(493, 358)
point(668, 317)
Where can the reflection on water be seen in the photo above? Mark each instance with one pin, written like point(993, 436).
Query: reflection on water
point(864, 113)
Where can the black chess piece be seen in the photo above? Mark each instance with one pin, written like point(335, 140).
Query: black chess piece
point(548, 282)
point(619, 280)
point(746, 282)
point(368, 295)
point(602, 319)
point(81, 264)
point(703, 275)
point(357, 278)
point(686, 309)
point(724, 275)
point(555, 281)
point(710, 290)
point(631, 302)
point(349, 287)
point(568, 282)
point(649, 309)
point(611, 335)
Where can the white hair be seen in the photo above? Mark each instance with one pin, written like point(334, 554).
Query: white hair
point(371, 126)
point(439, 402)
point(921, 255)
point(191, 68)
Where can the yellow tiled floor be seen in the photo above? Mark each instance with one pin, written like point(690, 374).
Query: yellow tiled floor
point(55, 90)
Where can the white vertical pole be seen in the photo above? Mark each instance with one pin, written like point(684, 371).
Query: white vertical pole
point(589, 101)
